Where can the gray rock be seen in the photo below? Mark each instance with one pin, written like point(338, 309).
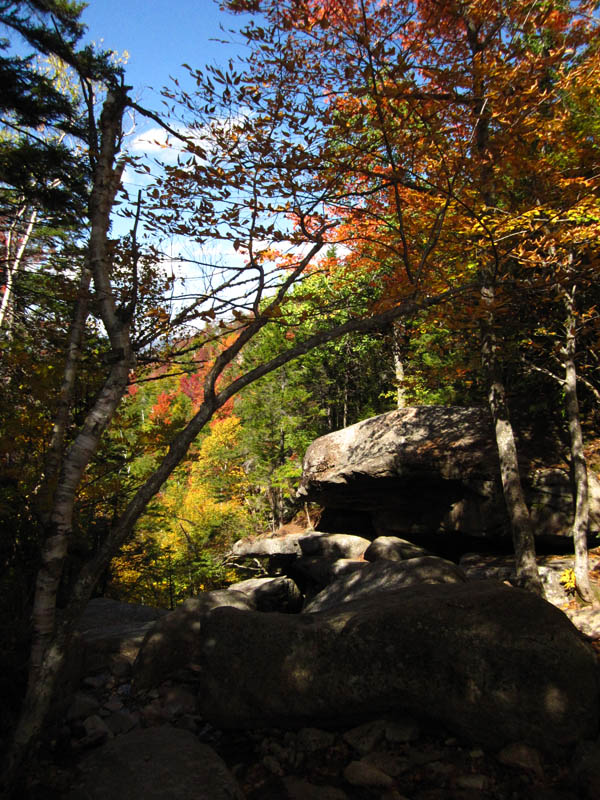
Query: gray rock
point(177, 700)
point(393, 548)
point(322, 571)
point(110, 631)
point(390, 763)
point(434, 469)
point(401, 730)
point(586, 770)
point(155, 764)
point(122, 722)
point(271, 594)
point(479, 566)
point(315, 543)
point(95, 727)
point(299, 789)
point(333, 545)
point(493, 664)
point(268, 546)
point(83, 705)
point(171, 643)
point(362, 773)
point(364, 738)
point(474, 782)
point(521, 756)
point(310, 740)
point(382, 575)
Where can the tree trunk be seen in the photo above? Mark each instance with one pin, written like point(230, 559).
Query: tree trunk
point(50, 636)
point(518, 513)
point(47, 487)
point(398, 345)
point(15, 251)
point(581, 515)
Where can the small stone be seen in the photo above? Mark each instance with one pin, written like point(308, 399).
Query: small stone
point(120, 666)
point(476, 782)
point(86, 742)
point(271, 763)
point(310, 740)
point(282, 754)
point(113, 704)
point(418, 758)
point(299, 789)
point(440, 769)
point(361, 773)
point(188, 722)
point(365, 737)
point(387, 762)
point(153, 714)
point(122, 722)
point(83, 705)
point(401, 730)
point(476, 753)
point(95, 681)
point(177, 700)
point(522, 756)
point(95, 726)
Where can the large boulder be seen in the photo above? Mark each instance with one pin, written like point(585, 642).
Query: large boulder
point(261, 546)
point(393, 548)
point(433, 469)
point(313, 543)
point(333, 545)
point(320, 572)
point(163, 763)
point(384, 575)
point(270, 594)
point(492, 663)
point(170, 645)
point(110, 631)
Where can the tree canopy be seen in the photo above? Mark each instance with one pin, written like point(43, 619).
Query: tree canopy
point(405, 197)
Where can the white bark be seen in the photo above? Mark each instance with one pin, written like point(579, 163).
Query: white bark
point(518, 513)
point(49, 638)
point(581, 514)
point(16, 244)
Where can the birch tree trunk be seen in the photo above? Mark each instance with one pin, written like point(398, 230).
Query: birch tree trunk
point(581, 514)
point(50, 637)
point(398, 337)
point(45, 491)
point(16, 244)
point(516, 507)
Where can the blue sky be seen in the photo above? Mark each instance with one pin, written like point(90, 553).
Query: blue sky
point(159, 36)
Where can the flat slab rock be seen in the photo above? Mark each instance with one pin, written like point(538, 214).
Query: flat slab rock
point(310, 544)
point(109, 628)
point(155, 764)
point(492, 663)
point(434, 469)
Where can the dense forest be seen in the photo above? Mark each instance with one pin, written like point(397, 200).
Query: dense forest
point(406, 200)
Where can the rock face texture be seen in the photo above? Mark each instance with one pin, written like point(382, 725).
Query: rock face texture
point(155, 763)
point(492, 663)
point(431, 470)
point(383, 576)
point(270, 594)
point(314, 544)
point(109, 636)
point(172, 643)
